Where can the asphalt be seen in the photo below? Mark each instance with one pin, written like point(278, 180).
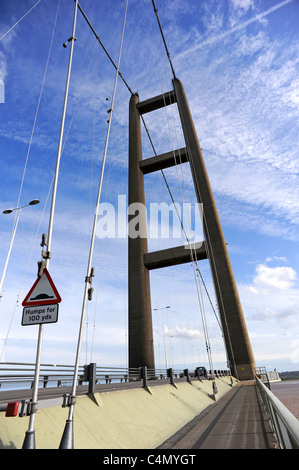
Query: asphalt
point(237, 420)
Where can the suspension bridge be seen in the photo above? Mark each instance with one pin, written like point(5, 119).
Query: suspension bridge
point(143, 405)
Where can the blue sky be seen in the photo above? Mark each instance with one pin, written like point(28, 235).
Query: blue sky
point(238, 61)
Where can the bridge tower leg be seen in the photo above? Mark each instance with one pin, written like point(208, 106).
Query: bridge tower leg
point(233, 322)
point(141, 344)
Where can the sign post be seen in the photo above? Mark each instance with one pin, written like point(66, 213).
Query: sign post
point(40, 306)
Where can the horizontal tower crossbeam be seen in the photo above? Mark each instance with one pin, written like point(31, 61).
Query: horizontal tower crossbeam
point(157, 102)
point(173, 256)
point(165, 160)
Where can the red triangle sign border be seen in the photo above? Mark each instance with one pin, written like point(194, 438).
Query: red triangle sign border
point(56, 300)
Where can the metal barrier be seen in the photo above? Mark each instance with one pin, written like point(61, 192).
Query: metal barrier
point(285, 425)
point(16, 375)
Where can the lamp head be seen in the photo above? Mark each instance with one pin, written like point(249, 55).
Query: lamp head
point(33, 202)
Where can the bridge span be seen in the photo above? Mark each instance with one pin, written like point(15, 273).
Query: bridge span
point(170, 413)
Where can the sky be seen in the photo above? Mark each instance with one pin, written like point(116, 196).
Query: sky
point(238, 62)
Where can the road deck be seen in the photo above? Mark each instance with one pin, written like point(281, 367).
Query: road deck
point(237, 421)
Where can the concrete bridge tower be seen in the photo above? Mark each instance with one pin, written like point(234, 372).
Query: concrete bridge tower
point(141, 348)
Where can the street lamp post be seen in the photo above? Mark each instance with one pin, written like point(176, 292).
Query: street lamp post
point(162, 308)
point(9, 211)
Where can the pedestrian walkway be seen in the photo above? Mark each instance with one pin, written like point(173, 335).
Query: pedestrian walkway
point(237, 420)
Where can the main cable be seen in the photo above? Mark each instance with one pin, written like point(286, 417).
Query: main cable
point(163, 38)
point(104, 48)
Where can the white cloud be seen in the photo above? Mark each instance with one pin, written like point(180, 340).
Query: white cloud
point(183, 332)
point(213, 18)
point(242, 4)
point(281, 278)
point(3, 67)
point(248, 151)
point(291, 96)
point(251, 44)
point(271, 304)
point(219, 37)
point(275, 258)
point(272, 297)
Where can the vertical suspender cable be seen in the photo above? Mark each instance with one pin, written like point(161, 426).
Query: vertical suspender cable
point(29, 441)
point(16, 220)
point(193, 255)
point(67, 440)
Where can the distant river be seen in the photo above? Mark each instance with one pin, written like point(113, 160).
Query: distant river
point(287, 391)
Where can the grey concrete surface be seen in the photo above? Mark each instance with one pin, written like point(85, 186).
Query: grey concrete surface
point(237, 421)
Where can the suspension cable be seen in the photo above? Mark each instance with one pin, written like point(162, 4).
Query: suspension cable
point(210, 255)
point(193, 252)
point(193, 259)
point(36, 112)
point(25, 273)
point(104, 48)
point(146, 129)
point(46, 201)
point(166, 48)
point(130, 90)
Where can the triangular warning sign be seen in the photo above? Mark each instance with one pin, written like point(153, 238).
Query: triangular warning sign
point(43, 292)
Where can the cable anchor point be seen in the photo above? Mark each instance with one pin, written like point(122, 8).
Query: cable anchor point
point(88, 279)
point(69, 40)
point(46, 254)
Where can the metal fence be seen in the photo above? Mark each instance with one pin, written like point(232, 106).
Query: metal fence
point(16, 375)
point(285, 425)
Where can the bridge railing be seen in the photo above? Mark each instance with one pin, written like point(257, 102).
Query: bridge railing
point(16, 375)
point(20, 375)
point(285, 425)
